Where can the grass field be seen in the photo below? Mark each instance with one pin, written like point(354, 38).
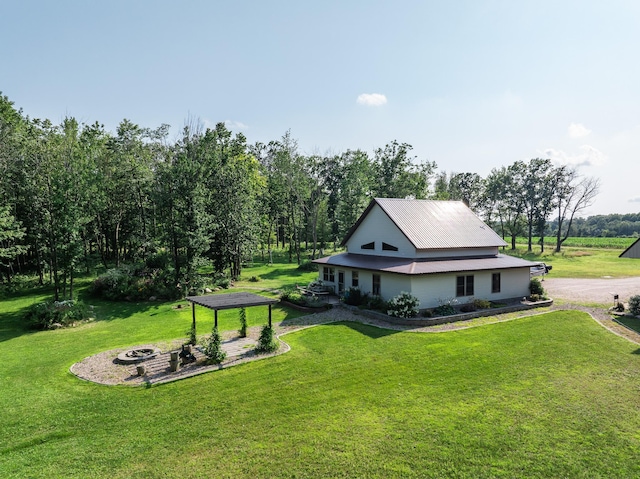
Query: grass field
point(583, 262)
point(551, 395)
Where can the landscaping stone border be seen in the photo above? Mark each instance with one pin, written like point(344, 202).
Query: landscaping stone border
point(510, 308)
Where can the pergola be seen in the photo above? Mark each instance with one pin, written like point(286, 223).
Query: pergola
point(218, 302)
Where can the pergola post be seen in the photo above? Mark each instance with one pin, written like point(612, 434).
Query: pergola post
point(215, 318)
point(193, 314)
point(269, 315)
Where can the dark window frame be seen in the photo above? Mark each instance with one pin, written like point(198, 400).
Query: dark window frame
point(355, 279)
point(495, 283)
point(371, 245)
point(329, 274)
point(465, 285)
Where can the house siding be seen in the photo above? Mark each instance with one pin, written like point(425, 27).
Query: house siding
point(377, 227)
point(434, 290)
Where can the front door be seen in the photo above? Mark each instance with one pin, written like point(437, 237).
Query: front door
point(340, 282)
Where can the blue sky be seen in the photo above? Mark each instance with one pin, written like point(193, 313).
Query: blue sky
point(472, 85)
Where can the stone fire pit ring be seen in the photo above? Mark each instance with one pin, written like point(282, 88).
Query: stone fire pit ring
point(137, 355)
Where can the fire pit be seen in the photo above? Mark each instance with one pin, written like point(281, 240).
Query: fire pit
point(137, 355)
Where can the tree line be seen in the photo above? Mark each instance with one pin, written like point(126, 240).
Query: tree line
point(75, 195)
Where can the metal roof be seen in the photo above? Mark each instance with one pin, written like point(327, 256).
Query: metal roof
point(433, 224)
point(231, 300)
point(431, 266)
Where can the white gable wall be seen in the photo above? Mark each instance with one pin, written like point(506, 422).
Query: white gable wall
point(377, 227)
point(457, 252)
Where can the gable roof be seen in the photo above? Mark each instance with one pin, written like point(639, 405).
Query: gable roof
point(434, 224)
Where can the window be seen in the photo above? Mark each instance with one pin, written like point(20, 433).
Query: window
point(329, 275)
point(375, 290)
point(355, 282)
point(371, 245)
point(464, 285)
point(389, 247)
point(495, 283)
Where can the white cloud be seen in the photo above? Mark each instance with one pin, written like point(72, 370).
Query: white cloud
point(235, 125)
point(578, 130)
point(635, 200)
point(372, 99)
point(588, 156)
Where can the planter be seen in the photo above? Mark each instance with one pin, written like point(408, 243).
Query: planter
point(141, 369)
point(173, 365)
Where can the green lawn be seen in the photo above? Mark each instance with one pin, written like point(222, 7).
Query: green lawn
point(551, 395)
point(583, 262)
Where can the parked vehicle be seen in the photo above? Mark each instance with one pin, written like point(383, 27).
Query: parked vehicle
point(540, 269)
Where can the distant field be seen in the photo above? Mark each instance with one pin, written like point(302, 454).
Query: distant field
point(582, 242)
point(582, 262)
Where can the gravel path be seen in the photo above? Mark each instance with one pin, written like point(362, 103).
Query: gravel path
point(591, 291)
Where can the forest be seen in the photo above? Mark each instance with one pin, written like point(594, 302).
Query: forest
point(74, 197)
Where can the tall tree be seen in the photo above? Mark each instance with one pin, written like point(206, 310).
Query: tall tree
point(574, 194)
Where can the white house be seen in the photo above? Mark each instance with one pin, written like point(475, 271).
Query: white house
point(435, 250)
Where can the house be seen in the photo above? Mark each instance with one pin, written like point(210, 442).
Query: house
point(632, 251)
point(436, 250)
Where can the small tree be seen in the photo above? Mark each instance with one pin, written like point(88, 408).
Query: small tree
point(535, 287)
point(243, 323)
point(212, 348)
point(634, 305)
point(267, 343)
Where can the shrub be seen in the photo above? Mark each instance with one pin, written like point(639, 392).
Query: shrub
point(308, 266)
point(534, 297)
point(242, 315)
point(535, 287)
point(51, 314)
point(468, 308)
point(405, 305)
point(446, 307)
point(267, 343)
point(482, 304)
point(212, 348)
point(634, 305)
point(355, 297)
point(254, 279)
point(427, 313)
point(619, 307)
point(136, 282)
point(292, 296)
point(377, 303)
point(444, 310)
point(191, 332)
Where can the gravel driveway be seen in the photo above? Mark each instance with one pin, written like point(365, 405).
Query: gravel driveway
point(600, 290)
